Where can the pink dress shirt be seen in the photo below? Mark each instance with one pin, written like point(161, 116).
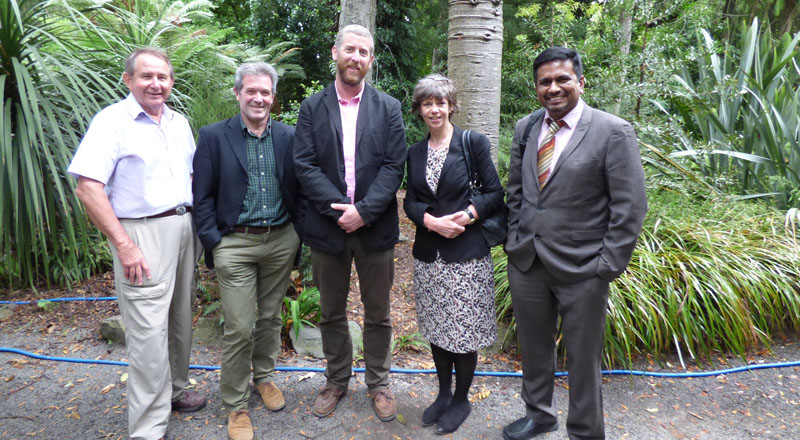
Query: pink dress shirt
point(349, 111)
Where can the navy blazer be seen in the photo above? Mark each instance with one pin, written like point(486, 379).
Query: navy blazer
point(219, 183)
point(319, 164)
point(453, 194)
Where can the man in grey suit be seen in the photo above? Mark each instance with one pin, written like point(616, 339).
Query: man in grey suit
point(576, 199)
point(350, 152)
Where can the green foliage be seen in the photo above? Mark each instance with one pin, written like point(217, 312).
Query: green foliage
point(48, 94)
point(707, 276)
point(300, 311)
point(309, 25)
point(740, 109)
point(46, 306)
point(413, 341)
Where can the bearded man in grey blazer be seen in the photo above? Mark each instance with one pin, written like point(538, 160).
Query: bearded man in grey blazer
point(576, 199)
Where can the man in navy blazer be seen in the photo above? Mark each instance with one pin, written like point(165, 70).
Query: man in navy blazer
point(246, 199)
point(350, 150)
point(576, 207)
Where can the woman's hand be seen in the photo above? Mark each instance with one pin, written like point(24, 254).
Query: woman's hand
point(447, 226)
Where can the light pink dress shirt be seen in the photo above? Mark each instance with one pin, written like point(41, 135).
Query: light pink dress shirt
point(564, 134)
point(349, 111)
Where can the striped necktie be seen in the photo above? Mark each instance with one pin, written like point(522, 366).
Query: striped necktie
point(544, 158)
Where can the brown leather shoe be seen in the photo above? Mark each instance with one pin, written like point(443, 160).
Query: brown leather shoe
point(239, 426)
point(326, 401)
point(271, 395)
point(191, 401)
point(383, 403)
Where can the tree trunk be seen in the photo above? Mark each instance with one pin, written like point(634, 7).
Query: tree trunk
point(361, 12)
point(474, 55)
point(624, 42)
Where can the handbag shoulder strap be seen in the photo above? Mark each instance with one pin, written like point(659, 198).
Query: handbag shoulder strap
point(466, 145)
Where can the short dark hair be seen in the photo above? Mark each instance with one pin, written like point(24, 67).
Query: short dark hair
point(558, 53)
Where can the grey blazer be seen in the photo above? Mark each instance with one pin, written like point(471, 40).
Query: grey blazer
point(586, 220)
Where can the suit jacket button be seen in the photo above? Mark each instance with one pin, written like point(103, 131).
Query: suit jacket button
point(537, 236)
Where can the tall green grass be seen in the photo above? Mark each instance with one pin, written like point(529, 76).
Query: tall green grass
point(707, 276)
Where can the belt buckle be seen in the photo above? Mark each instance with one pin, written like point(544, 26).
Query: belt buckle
point(180, 210)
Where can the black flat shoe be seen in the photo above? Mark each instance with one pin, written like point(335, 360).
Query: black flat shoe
point(431, 414)
point(525, 428)
point(452, 419)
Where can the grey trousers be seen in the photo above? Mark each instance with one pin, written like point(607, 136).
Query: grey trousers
point(253, 273)
point(539, 299)
point(158, 319)
point(332, 277)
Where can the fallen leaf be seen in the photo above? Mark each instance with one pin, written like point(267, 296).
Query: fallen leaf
point(652, 410)
point(123, 378)
point(306, 376)
point(107, 388)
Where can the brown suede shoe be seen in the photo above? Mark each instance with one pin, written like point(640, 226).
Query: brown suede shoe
point(271, 395)
point(191, 401)
point(383, 403)
point(326, 401)
point(239, 426)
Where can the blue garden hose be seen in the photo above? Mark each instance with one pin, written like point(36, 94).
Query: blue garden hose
point(393, 370)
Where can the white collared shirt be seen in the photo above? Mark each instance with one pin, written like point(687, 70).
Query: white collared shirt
point(349, 111)
point(564, 134)
point(146, 166)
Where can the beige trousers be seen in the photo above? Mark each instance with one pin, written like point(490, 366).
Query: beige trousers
point(158, 320)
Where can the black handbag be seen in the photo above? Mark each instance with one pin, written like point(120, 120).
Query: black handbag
point(493, 227)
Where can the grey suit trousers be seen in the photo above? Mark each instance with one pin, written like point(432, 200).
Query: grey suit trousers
point(539, 299)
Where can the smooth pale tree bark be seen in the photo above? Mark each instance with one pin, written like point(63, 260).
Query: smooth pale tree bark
point(361, 12)
point(474, 55)
point(624, 42)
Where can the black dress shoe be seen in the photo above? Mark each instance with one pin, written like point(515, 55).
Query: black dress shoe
point(525, 428)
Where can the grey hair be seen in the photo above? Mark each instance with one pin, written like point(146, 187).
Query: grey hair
point(356, 29)
point(436, 86)
point(255, 69)
point(130, 60)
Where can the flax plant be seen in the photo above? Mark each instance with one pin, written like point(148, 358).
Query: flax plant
point(741, 107)
point(48, 96)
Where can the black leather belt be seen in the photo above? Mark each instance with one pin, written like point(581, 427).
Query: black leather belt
point(257, 229)
point(180, 210)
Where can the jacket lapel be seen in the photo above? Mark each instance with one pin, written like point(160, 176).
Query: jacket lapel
point(454, 151)
point(235, 137)
point(331, 102)
point(279, 149)
point(575, 140)
point(530, 160)
point(364, 109)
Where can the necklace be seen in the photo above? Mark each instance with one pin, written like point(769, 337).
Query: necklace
point(441, 142)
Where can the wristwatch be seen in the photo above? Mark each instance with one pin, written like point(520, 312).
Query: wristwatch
point(471, 217)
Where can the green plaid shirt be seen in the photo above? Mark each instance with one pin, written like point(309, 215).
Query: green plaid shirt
point(263, 202)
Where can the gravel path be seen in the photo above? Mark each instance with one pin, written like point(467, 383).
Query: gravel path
point(58, 400)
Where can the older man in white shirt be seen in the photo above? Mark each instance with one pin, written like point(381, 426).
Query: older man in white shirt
point(134, 170)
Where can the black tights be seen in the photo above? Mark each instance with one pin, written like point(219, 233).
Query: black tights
point(451, 407)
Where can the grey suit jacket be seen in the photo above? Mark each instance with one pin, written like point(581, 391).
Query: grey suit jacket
point(586, 220)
